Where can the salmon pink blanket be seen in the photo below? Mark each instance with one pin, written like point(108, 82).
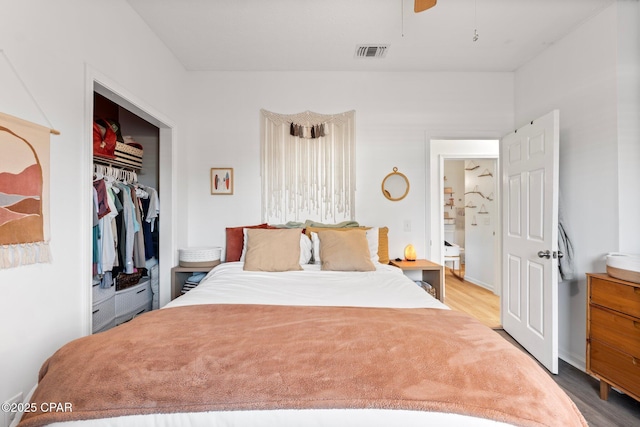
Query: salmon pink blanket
point(245, 357)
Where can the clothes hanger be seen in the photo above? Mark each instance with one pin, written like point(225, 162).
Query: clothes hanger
point(97, 173)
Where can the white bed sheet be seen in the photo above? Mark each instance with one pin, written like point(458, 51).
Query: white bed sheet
point(230, 284)
point(293, 418)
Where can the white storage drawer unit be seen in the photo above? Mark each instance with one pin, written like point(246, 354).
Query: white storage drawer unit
point(133, 301)
point(104, 308)
point(103, 314)
point(111, 308)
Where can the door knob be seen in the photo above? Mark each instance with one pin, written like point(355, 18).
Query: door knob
point(544, 254)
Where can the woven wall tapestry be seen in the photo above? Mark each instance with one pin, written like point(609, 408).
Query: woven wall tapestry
point(24, 192)
point(308, 166)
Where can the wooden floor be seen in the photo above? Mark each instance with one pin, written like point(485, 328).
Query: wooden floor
point(620, 410)
point(472, 299)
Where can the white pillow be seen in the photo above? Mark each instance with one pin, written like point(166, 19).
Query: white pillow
point(305, 248)
point(372, 241)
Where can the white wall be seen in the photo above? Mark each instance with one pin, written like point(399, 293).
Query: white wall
point(628, 83)
point(578, 76)
point(394, 113)
point(481, 257)
point(51, 44)
point(454, 172)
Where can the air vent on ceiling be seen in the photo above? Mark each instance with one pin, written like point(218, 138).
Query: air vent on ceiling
point(371, 51)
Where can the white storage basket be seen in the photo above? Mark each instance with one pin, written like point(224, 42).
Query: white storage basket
point(624, 266)
point(199, 257)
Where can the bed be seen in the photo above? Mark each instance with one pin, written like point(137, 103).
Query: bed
point(304, 346)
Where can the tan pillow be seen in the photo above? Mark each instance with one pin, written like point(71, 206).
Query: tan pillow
point(345, 251)
point(383, 245)
point(383, 239)
point(272, 250)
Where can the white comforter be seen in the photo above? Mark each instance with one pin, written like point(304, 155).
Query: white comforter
point(230, 284)
point(386, 287)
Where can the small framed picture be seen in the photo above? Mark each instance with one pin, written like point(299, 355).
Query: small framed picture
point(221, 180)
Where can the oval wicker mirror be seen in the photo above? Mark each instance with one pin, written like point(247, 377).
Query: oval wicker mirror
point(395, 186)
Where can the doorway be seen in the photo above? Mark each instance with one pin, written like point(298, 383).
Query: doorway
point(100, 84)
point(528, 282)
point(465, 213)
point(469, 218)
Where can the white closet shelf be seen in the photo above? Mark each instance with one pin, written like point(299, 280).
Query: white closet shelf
point(114, 163)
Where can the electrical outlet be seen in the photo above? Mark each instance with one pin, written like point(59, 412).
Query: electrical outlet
point(9, 404)
point(406, 225)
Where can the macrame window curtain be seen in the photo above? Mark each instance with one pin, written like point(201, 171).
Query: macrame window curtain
point(308, 166)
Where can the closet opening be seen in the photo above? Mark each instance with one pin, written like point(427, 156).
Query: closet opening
point(126, 239)
point(142, 166)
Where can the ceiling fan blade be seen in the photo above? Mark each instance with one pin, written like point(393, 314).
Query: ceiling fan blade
point(422, 5)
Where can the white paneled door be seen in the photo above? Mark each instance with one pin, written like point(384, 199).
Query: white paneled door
point(529, 158)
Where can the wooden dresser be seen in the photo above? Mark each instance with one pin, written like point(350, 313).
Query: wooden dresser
point(613, 334)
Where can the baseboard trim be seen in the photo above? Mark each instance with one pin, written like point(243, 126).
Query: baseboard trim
point(479, 283)
point(573, 360)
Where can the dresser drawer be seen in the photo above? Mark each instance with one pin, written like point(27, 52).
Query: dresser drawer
point(132, 298)
point(618, 331)
point(617, 296)
point(610, 363)
point(103, 313)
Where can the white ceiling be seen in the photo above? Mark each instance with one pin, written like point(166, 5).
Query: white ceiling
point(321, 35)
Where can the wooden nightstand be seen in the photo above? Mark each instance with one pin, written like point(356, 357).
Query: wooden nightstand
point(180, 274)
point(432, 273)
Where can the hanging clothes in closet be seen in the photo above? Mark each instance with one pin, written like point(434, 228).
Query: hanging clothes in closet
point(123, 227)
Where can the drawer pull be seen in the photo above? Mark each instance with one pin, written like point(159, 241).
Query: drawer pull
point(636, 324)
point(635, 361)
point(636, 291)
point(141, 291)
point(95, 311)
